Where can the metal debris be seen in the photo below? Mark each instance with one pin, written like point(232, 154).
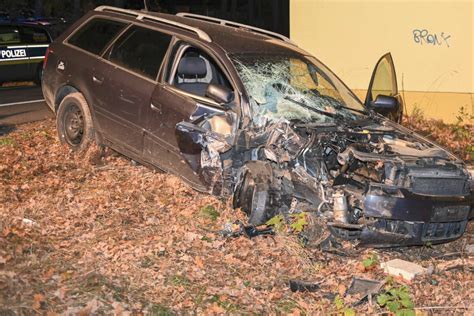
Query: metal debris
point(238, 229)
point(363, 288)
point(303, 286)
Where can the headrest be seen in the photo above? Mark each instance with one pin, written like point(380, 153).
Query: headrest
point(192, 67)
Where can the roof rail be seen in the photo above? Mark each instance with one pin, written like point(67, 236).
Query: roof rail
point(144, 16)
point(236, 25)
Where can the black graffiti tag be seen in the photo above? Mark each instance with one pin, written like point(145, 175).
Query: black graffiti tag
point(423, 36)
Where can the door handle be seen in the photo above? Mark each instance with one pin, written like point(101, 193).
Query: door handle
point(97, 80)
point(126, 100)
point(156, 108)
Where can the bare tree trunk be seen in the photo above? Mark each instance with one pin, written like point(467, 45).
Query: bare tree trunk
point(275, 15)
point(78, 9)
point(119, 3)
point(233, 9)
point(251, 5)
point(38, 7)
point(223, 12)
point(77, 6)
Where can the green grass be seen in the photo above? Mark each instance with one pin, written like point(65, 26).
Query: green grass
point(210, 211)
point(7, 142)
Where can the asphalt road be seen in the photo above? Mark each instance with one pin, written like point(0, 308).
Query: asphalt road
point(20, 105)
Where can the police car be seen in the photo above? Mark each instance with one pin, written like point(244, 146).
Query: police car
point(22, 51)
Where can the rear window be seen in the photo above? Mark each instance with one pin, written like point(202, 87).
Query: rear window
point(141, 50)
point(34, 35)
point(9, 35)
point(96, 34)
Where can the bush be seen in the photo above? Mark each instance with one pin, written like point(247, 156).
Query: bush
point(456, 137)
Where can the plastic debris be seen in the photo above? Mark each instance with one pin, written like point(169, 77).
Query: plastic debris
point(405, 269)
point(29, 222)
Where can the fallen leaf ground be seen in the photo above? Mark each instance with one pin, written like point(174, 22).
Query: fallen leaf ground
point(98, 234)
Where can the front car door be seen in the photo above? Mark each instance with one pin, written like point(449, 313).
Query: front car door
point(384, 83)
point(180, 114)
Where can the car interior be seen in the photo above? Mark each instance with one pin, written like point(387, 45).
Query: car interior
point(142, 59)
point(196, 70)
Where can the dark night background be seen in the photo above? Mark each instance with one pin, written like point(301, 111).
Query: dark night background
point(268, 14)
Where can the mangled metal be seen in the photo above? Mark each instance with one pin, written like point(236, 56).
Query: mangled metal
point(361, 289)
point(366, 177)
point(303, 286)
point(238, 229)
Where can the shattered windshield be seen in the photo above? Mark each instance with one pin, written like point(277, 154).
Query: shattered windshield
point(295, 88)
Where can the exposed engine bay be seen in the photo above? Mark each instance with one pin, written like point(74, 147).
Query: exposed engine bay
point(309, 145)
point(371, 180)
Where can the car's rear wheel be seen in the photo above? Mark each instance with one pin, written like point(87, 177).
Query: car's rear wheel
point(74, 122)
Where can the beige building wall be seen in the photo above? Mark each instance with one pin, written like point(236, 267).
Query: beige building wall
point(431, 43)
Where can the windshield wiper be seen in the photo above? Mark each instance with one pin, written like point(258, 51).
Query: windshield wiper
point(305, 106)
point(339, 104)
point(352, 109)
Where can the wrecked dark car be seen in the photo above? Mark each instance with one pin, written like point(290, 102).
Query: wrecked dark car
point(241, 112)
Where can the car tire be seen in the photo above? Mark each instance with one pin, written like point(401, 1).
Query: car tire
point(254, 197)
point(74, 123)
point(259, 205)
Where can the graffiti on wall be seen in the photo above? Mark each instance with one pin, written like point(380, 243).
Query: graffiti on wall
point(425, 37)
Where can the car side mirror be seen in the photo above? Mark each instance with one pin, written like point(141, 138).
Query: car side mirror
point(386, 105)
point(220, 94)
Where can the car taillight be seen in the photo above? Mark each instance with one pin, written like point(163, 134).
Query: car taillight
point(46, 57)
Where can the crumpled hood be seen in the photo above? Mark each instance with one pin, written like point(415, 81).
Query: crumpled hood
point(375, 151)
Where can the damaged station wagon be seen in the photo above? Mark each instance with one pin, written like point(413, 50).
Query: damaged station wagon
point(242, 112)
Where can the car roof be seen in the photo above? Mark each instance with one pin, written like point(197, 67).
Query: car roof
point(233, 40)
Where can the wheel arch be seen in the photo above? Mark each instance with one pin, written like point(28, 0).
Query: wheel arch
point(61, 94)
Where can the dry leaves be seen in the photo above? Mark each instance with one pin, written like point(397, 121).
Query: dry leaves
point(103, 236)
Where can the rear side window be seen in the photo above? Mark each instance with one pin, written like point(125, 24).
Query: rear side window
point(96, 34)
point(9, 35)
point(141, 50)
point(32, 35)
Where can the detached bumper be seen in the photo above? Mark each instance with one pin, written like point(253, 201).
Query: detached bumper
point(414, 220)
point(387, 233)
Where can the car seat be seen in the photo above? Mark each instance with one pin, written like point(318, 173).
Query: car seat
point(190, 70)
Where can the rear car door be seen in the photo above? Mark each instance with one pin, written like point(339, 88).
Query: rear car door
point(137, 56)
point(13, 55)
point(80, 64)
